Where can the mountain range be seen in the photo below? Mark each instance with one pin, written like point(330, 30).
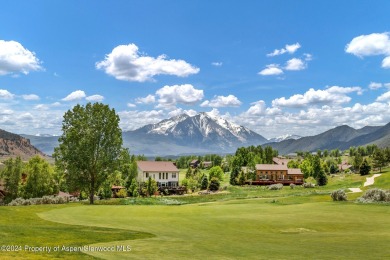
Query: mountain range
point(206, 133)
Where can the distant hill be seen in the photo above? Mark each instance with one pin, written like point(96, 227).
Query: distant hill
point(341, 137)
point(45, 143)
point(13, 145)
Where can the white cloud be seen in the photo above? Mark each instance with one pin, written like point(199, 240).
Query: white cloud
point(125, 62)
point(295, 64)
point(370, 45)
point(271, 69)
point(386, 63)
point(14, 59)
point(180, 111)
point(375, 85)
point(217, 64)
point(30, 97)
point(308, 56)
point(131, 120)
point(42, 107)
point(75, 95)
point(288, 49)
point(146, 100)
point(384, 97)
point(334, 95)
point(257, 108)
point(185, 94)
point(5, 94)
point(95, 98)
point(131, 105)
point(222, 101)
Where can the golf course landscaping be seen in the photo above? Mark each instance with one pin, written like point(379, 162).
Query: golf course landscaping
point(240, 223)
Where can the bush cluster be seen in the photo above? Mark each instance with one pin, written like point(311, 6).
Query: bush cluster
point(308, 185)
point(39, 201)
point(375, 195)
point(292, 185)
point(278, 186)
point(339, 195)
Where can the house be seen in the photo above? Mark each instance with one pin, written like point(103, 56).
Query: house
point(194, 164)
point(207, 164)
point(165, 173)
point(115, 189)
point(274, 173)
point(344, 166)
point(280, 160)
point(64, 194)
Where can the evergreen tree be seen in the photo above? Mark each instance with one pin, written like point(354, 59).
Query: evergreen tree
point(365, 168)
point(205, 183)
point(378, 159)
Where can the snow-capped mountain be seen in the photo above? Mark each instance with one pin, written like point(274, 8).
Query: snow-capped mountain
point(203, 132)
point(284, 137)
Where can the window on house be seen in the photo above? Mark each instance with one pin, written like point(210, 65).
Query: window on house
point(159, 175)
point(147, 175)
point(174, 175)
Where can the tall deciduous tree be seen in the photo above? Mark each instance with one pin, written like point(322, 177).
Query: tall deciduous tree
point(89, 147)
point(40, 179)
point(12, 174)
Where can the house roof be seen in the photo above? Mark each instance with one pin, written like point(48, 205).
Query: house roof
point(294, 171)
point(271, 167)
point(64, 194)
point(282, 161)
point(161, 166)
point(113, 187)
point(194, 161)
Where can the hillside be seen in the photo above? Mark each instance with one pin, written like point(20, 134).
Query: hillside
point(341, 137)
point(12, 145)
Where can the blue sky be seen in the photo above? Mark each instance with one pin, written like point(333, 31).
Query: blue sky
point(277, 67)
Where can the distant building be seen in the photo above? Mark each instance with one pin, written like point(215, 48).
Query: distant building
point(280, 160)
point(207, 164)
point(267, 174)
point(165, 173)
point(194, 164)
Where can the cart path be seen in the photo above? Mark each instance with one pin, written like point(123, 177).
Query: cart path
point(369, 181)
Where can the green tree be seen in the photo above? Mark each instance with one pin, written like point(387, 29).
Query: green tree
point(205, 183)
point(216, 172)
point(365, 168)
point(151, 186)
point(89, 147)
point(357, 161)
point(40, 179)
point(133, 190)
point(378, 159)
point(214, 184)
point(12, 174)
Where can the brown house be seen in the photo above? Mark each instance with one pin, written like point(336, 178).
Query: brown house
point(274, 173)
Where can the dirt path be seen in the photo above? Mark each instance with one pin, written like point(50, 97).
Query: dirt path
point(369, 181)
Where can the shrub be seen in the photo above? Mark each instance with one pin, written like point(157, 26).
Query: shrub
point(308, 185)
point(214, 184)
point(292, 185)
point(278, 186)
point(339, 195)
point(38, 201)
point(375, 195)
point(122, 193)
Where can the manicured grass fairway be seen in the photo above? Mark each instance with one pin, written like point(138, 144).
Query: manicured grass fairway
point(247, 223)
point(246, 229)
